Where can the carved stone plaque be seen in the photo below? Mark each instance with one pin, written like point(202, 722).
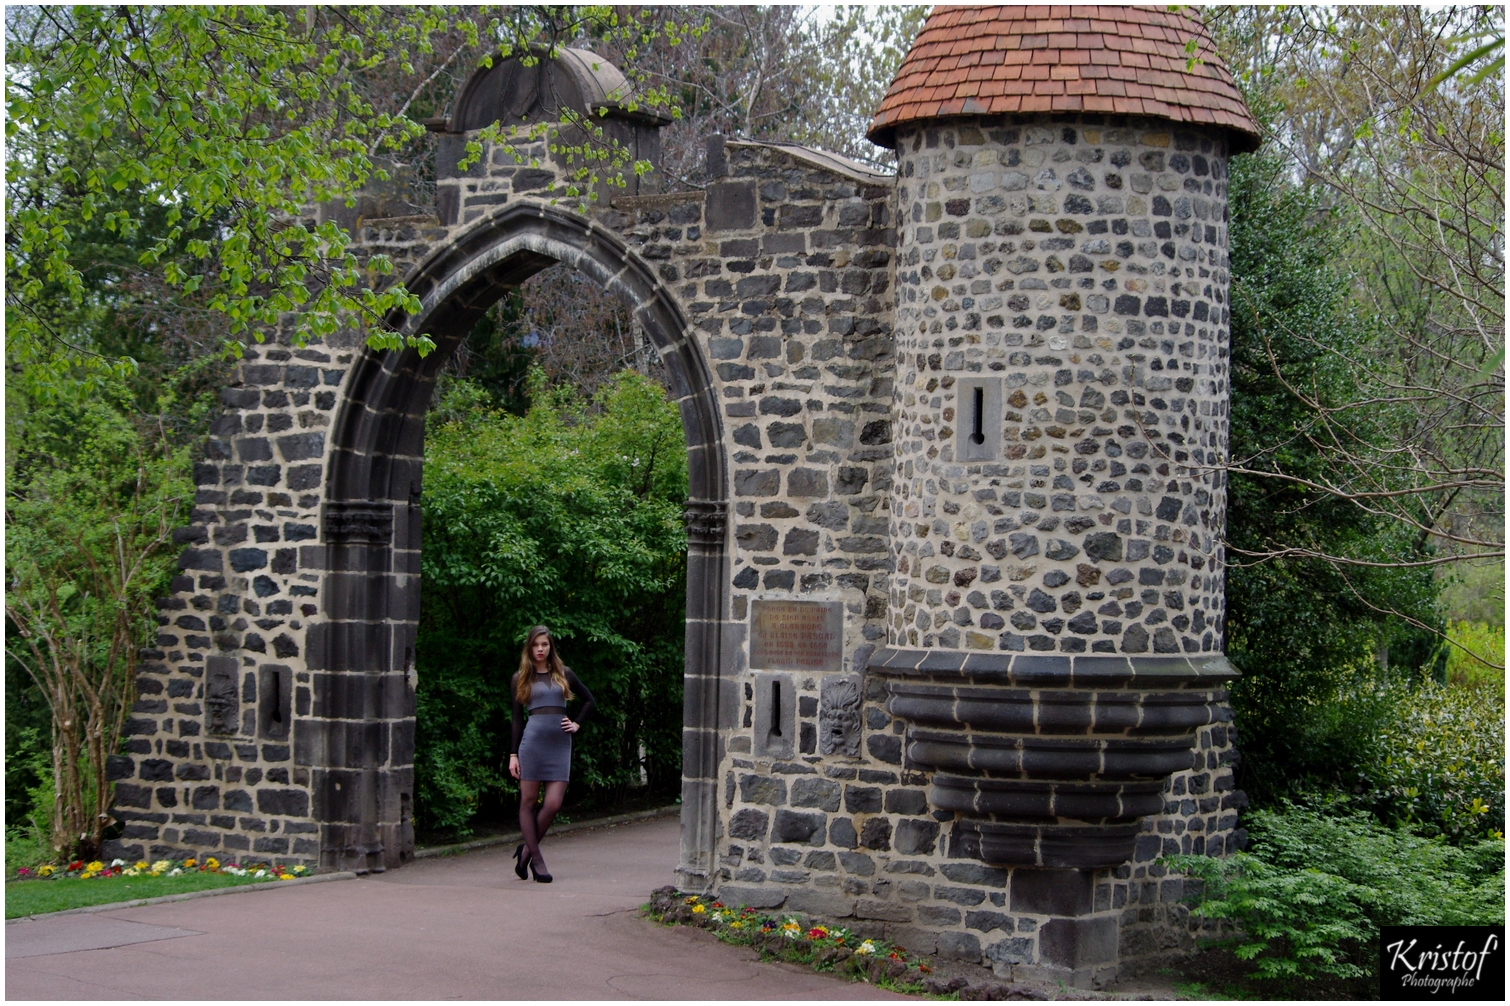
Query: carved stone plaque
point(222, 704)
point(839, 715)
point(797, 635)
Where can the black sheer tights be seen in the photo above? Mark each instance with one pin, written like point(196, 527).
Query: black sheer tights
point(535, 822)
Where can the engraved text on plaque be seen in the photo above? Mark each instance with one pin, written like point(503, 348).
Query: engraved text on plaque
point(797, 635)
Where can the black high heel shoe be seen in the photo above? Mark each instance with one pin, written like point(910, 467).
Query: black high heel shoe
point(520, 870)
point(540, 878)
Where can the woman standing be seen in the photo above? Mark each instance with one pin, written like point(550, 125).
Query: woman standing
point(541, 751)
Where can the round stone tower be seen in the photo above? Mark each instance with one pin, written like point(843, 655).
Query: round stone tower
point(1056, 615)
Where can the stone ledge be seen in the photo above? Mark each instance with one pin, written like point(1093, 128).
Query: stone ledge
point(656, 202)
point(1042, 670)
point(828, 161)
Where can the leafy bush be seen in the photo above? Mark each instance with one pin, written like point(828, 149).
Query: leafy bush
point(1425, 755)
point(1309, 897)
point(1438, 762)
point(570, 516)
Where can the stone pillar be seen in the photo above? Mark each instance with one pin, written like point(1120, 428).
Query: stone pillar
point(705, 693)
point(1056, 615)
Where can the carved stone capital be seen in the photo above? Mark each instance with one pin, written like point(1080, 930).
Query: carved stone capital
point(358, 522)
point(707, 521)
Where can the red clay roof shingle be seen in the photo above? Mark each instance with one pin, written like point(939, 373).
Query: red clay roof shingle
point(992, 60)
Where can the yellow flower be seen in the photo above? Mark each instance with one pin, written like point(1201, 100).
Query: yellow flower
point(94, 867)
point(190, 863)
point(285, 876)
point(698, 909)
point(212, 863)
point(45, 871)
point(736, 925)
point(142, 864)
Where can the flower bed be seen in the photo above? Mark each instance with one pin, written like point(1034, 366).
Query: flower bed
point(835, 949)
point(97, 870)
point(789, 938)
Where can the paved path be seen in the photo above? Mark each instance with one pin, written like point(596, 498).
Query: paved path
point(459, 927)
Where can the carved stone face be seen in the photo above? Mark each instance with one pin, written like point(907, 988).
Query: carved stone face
point(221, 701)
point(839, 716)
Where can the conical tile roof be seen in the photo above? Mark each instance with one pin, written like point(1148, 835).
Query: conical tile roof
point(1006, 60)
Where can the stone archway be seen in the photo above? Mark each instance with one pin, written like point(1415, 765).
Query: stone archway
point(359, 737)
point(275, 711)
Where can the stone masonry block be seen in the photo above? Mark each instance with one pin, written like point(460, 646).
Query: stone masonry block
point(821, 903)
point(1077, 943)
point(1053, 892)
point(749, 825)
point(820, 793)
point(792, 826)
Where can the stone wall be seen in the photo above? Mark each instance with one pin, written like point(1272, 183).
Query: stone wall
point(209, 763)
point(1079, 273)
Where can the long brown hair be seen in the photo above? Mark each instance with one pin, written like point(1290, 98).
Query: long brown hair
point(524, 681)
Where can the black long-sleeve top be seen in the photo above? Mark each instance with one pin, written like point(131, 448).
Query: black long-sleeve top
point(579, 690)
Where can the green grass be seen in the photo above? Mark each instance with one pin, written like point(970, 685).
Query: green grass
point(1199, 990)
point(34, 897)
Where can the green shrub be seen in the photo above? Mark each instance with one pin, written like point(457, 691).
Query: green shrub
point(1438, 761)
point(570, 516)
point(1421, 754)
point(1309, 896)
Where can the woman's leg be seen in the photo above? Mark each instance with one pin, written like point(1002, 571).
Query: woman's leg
point(555, 792)
point(529, 792)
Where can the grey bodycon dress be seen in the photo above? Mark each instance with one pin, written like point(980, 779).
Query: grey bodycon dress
point(544, 749)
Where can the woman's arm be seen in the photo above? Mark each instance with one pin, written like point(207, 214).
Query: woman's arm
point(518, 717)
point(580, 690)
